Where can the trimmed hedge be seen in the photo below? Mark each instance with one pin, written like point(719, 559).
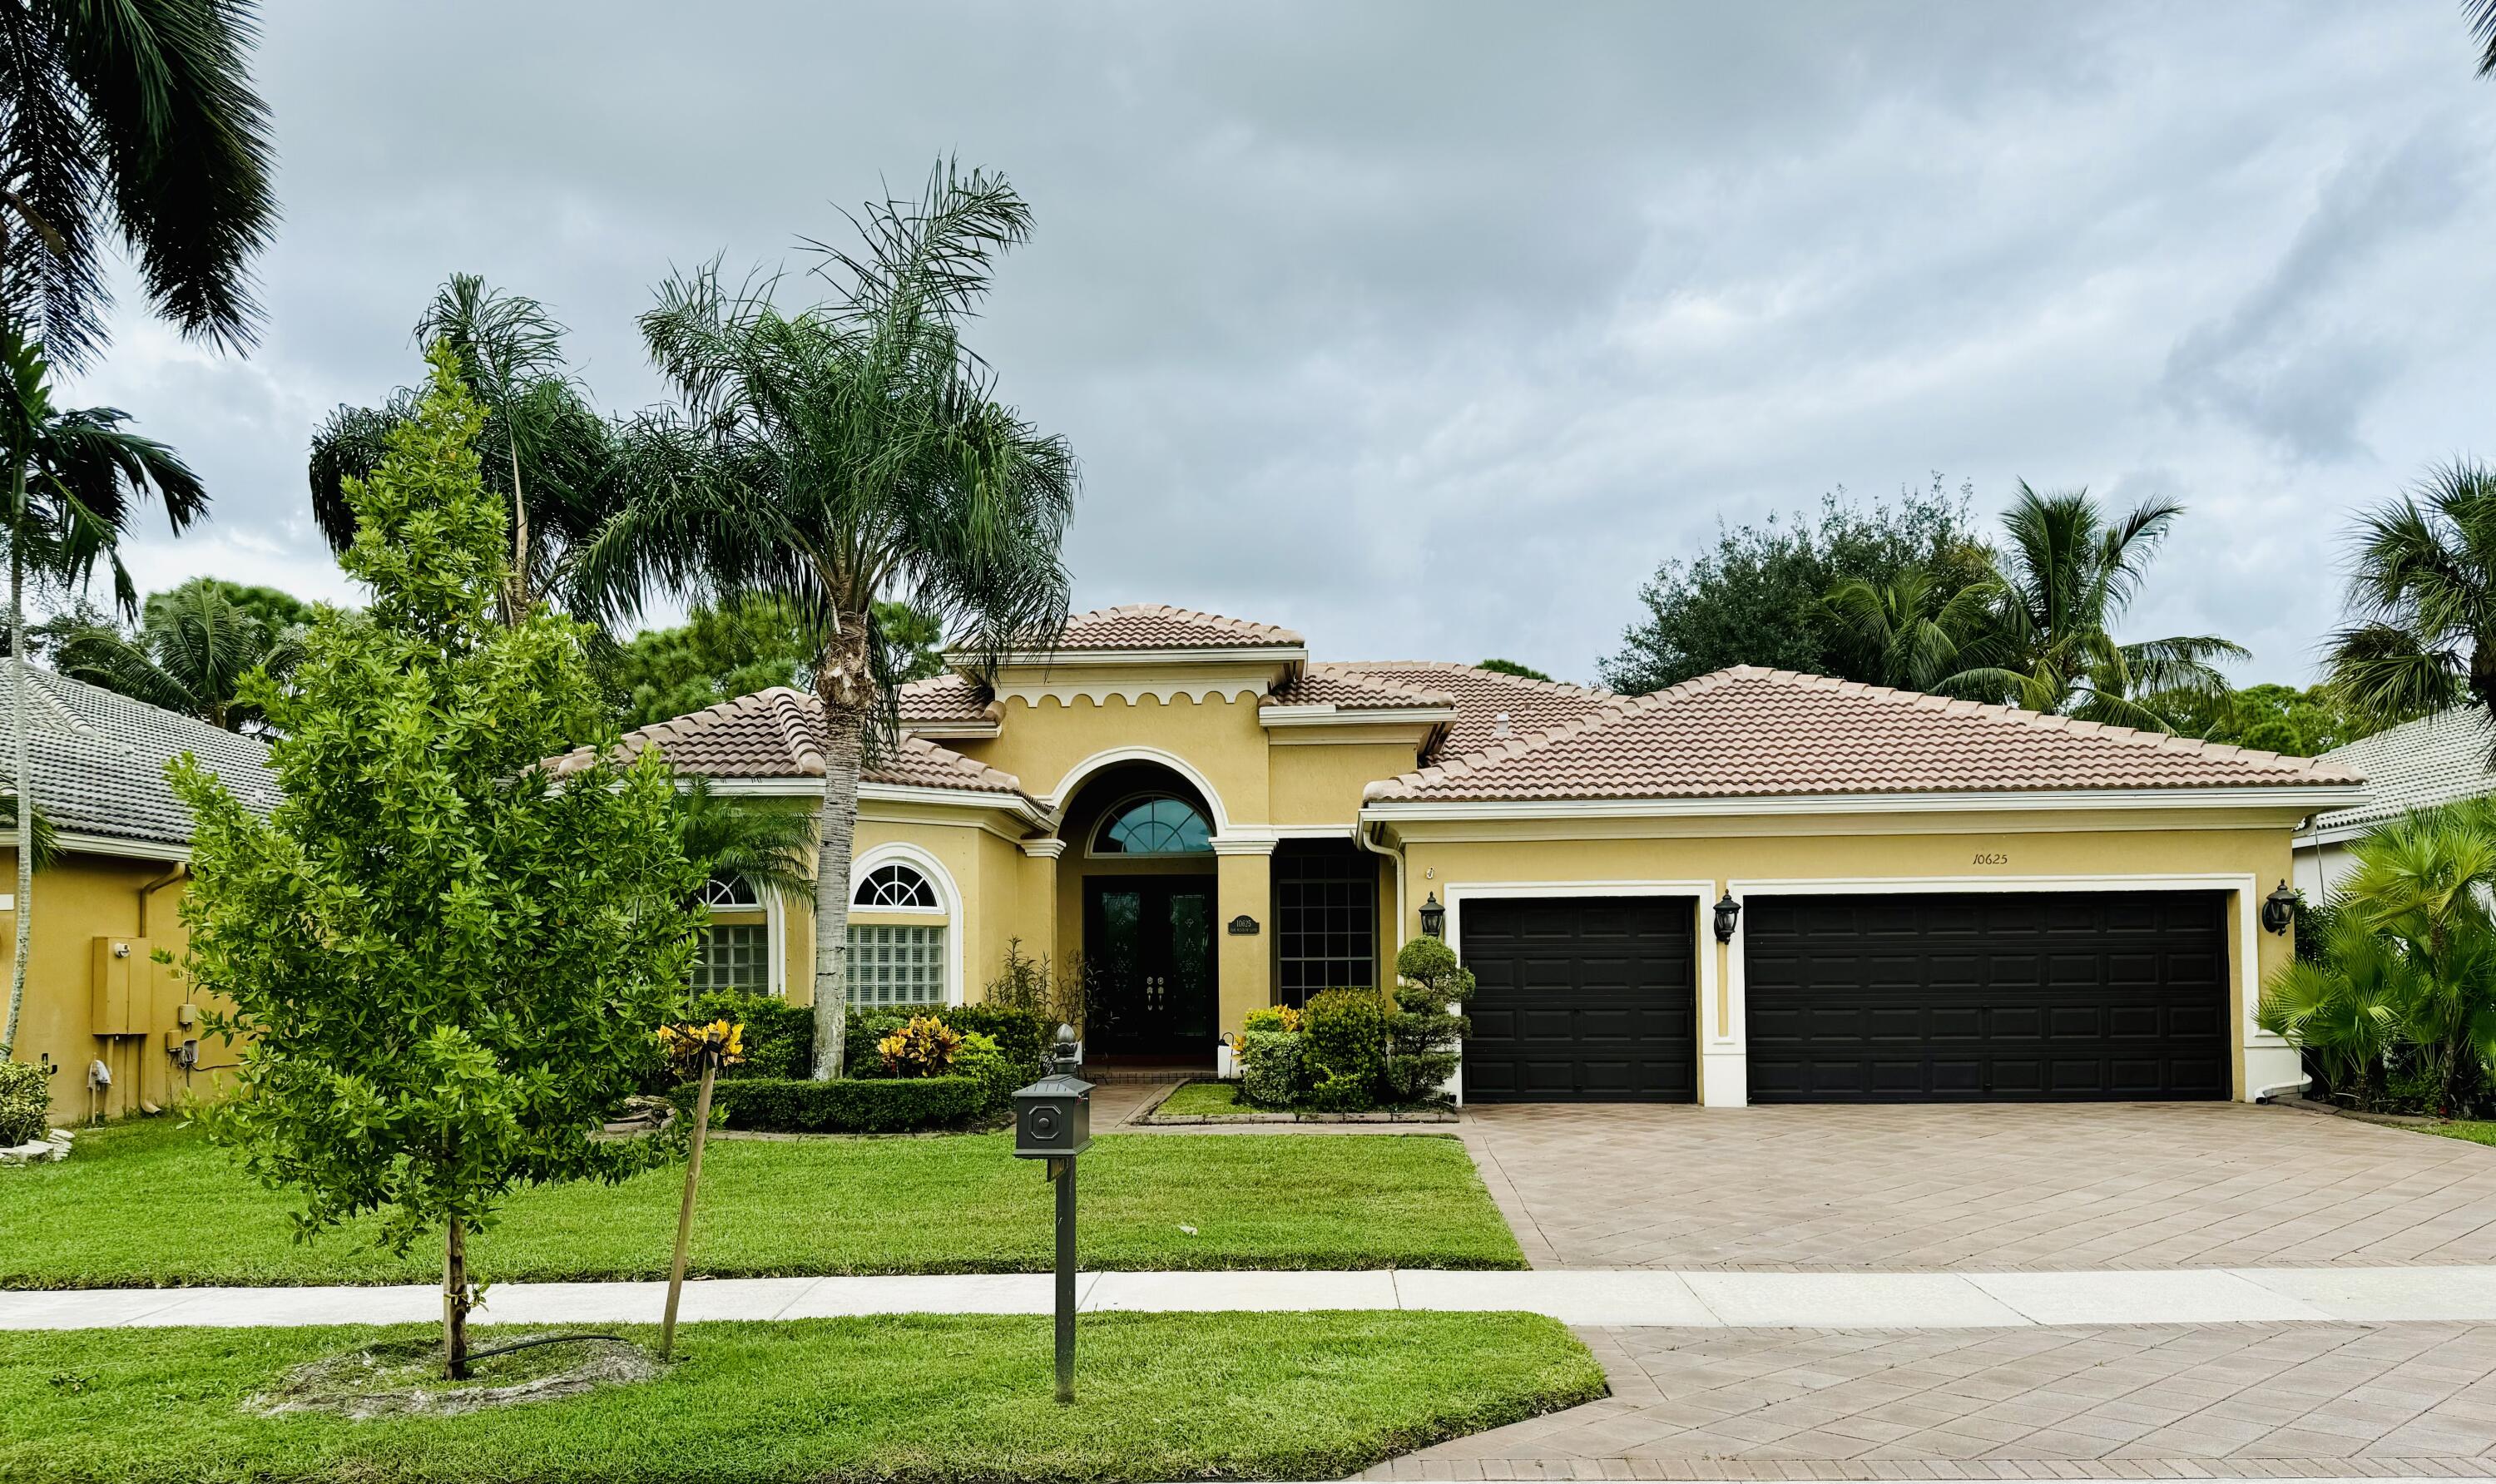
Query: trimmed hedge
point(845, 1105)
point(1023, 1036)
point(779, 1036)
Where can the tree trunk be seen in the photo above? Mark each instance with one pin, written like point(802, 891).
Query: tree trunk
point(846, 687)
point(455, 1303)
point(22, 904)
point(517, 598)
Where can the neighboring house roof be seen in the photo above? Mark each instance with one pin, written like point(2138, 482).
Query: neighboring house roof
point(1749, 731)
point(2436, 760)
point(98, 759)
point(1159, 626)
point(779, 734)
point(1482, 696)
point(1349, 690)
point(945, 698)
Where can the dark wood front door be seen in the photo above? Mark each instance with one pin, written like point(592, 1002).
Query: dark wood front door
point(1148, 948)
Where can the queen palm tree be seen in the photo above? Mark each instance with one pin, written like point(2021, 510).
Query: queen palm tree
point(133, 119)
point(76, 478)
point(840, 455)
point(765, 844)
point(2060, 585)
point(2421, 600)
point(189, 654)
point(1911, 632)
point(544, 448)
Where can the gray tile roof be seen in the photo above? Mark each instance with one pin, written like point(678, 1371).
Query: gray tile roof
point(99, 760)
point(2436, 760)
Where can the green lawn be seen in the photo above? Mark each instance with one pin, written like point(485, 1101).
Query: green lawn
point(154, 1204)
point(895, 1401)
point(1205, 1099)
point(2475, 1130)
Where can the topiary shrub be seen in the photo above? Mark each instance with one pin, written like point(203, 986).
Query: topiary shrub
point(25, 1103)
point(1345, 1061)
point(844, 1104)
point(1423, 1032)
point(1269, 1067)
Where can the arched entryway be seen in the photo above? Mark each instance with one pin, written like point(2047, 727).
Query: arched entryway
point(1137, 881)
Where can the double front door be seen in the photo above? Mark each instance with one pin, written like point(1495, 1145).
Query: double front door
point(1148, 949)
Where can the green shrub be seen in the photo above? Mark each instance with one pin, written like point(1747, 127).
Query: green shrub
point(1269, 1067)
point(982, 1058)
point(1272, 1018)
point(1345, 1058)
point(1424, 1031)
point(25, 1101)
point(779, 1036)
point(844, 1104)
point(924, 1048)
point(1023, 1036)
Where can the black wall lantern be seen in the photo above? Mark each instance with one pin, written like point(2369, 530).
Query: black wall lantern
point(2279, 908)
point(1728, 913)
point(1434, 918)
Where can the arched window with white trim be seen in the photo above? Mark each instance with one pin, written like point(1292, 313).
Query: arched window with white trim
point(735, 952)
point(901, 942)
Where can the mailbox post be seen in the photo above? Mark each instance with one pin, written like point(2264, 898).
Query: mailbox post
point(1053, 1122)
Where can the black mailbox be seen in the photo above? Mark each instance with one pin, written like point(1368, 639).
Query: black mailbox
point(1053, 1116)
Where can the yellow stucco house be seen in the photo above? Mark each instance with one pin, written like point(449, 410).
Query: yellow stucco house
point(1755, 886)
point(96, 1001)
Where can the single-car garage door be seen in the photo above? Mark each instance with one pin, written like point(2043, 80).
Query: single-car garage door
point(2010, 997)
point(1580, 998)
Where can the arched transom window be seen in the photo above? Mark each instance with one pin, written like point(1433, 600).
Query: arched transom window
point(1155, 825)
point(894, 886)
point(728, 891)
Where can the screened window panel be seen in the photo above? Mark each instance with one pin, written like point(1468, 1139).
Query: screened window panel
point(1326, 921)
point(734, 957)
point(896, 965)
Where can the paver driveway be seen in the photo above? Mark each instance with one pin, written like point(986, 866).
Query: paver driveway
point(1986, 1187)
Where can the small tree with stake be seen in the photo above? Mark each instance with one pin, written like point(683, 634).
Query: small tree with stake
point(1424, 1030)
point(446, 964)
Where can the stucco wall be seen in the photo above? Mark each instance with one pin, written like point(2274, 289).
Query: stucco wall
point(79, 898)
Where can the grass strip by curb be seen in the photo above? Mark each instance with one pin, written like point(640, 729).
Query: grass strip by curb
point(906, 1400)
point(152, 1205)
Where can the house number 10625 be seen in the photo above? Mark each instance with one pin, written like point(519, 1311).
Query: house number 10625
point(1991, 859)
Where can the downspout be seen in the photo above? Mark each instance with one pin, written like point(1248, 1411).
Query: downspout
point(138, 1055)
point(152, 887)
point(1360, 833)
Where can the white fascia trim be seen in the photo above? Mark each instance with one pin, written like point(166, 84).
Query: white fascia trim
point(2340, 834)
point(115, 845)
point(1328, 714)
point(956, 730)
point(2318, 797)
point(1213, 654)
point(966, 798)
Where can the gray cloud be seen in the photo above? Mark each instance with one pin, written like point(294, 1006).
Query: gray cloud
point(1428, 329)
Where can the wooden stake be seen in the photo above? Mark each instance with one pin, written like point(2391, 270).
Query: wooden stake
point(685, 1212)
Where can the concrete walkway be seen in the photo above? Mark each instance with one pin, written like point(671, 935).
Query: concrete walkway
point(1628, 1298)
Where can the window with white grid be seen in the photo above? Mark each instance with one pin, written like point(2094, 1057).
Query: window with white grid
point(737, 957)
point(896, 965)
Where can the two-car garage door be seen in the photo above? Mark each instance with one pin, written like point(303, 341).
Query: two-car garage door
point(1969, 996)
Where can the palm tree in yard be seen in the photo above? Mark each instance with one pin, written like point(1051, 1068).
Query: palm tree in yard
point(2421, 600)
point(1910, 630)
point(841, 454)
point(2482, 25)
point(189, 654)
point(544, 448)
point(76, 478)
point(2062, 582)
point(130, 119)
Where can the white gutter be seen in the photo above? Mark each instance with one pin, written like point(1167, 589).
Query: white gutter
point(2308, 797)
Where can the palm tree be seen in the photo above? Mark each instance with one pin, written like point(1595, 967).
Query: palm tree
point(771, 847)
point(2421, 600)
point(75, 481)
point(2346, 1006)
point(1911, 632)
point(544, 448)
point(838, 455)
point(135, 120)
point(2423, 882)
point(190, 654)
point(2057, 591)
point(2482, 25)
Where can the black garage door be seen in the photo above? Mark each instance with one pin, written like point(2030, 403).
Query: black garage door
point(1583, 999)
point(2010, 997)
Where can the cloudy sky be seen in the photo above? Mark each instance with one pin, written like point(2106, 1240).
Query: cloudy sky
point(1429, 329)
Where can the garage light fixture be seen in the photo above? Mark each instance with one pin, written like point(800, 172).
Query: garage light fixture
point(1728, 913)
point(1434, 918)
point(2279, 908)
